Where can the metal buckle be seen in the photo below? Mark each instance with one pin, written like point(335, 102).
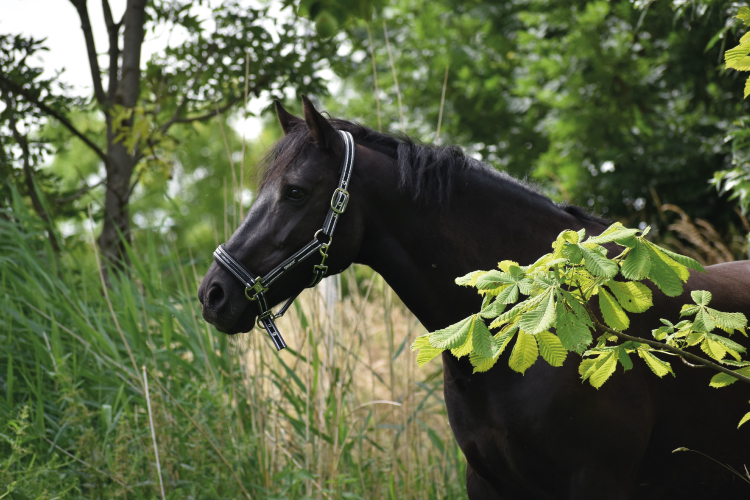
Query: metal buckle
point(330, 238)
point(258, 288)
point(335, 203)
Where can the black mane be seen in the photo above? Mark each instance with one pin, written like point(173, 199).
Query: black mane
point(425, 171)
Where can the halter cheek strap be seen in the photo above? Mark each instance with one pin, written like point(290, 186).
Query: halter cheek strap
point(256, 287)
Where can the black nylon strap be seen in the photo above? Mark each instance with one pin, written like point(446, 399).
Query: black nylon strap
point(259, 285)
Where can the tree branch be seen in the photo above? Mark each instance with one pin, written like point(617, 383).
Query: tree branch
point(206, 116)
point(27, 171)
point(88, 35)
point(113, 29)
point(129, 87)
point(55, 114)
point(658, 345)
point(85, 189)
point(669, 348)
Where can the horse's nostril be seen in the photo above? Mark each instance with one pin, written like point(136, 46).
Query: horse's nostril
point(215, 296)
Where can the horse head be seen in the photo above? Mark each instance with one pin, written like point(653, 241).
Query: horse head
point(291, 211)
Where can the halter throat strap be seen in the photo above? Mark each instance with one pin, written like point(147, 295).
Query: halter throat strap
point(256, 287)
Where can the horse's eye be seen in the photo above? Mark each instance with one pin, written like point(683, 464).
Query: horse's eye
point(295, 194)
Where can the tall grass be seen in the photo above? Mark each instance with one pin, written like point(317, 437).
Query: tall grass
point(341, 413)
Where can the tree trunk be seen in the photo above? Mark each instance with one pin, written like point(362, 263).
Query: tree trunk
point(116, 227)
point(121, 162)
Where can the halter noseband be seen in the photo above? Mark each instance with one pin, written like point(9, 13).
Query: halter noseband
point(257, 286)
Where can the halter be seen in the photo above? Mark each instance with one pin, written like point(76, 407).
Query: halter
point(257, 286)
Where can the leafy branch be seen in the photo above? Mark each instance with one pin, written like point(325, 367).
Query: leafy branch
point(557, 316)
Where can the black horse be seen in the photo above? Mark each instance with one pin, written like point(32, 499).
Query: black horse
point(421, 216)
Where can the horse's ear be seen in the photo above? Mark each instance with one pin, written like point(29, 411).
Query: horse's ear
point(286, 119)
point(321, 130)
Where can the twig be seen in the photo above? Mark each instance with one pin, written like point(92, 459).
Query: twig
point(153, 431)
point(203, 432)
point(395, 78)
point(727, 467)
point(206, 116)
point(54, 114)
point(374, 74)
point(85, 189)
point(691, 365)
point(669, 348)
point(442, 103)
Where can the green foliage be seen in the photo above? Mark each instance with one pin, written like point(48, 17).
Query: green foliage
point(330, 15)
point(736, 180)
point(602, 102)
point(557, 316)
point(291, 425)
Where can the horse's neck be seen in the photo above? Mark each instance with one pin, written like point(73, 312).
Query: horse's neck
point(420, 251)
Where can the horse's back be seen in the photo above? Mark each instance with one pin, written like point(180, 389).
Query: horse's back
point(729, 284)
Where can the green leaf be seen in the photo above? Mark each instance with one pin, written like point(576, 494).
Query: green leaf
point(744, 15)
point(598, 265)
point(744, 419)
point(689, 310)
point(714, 349)
point(701, 297)
point(499, 343)
point(624, 358)
point(684, 260)
point(585, 366)
point(659, 367)
point(551, 348)
point(509, 295)
point(609, 236)
point(747, 88)
point(426, 351)
point(682, 271)
point(452, 336)
point(493, 310)
point(468, 345)
point(573, 303)
point(729, 321)
point(469, 279)
point(735, 58)
point(663, 275)
point(524, 353)
point(481, 338)
point(604, 371)
point(493, 279)
point(612, 313)
point(723, 380)
point(637, 264)
point(541, 317)
point(703, 321)
point(572, 252)
point(632, 296)
point(573, 334)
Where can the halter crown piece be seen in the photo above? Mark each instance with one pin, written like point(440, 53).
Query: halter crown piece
point(256, 287)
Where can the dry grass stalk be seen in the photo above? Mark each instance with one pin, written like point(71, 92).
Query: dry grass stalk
point(442, 104)
point(374, 74)
point(708, 246)
point(395, 78)
point(153, 432)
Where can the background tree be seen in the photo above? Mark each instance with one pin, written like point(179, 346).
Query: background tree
point(617, 106)
point(245, 53)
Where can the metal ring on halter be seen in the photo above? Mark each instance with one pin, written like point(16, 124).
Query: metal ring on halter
point(330, 237)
